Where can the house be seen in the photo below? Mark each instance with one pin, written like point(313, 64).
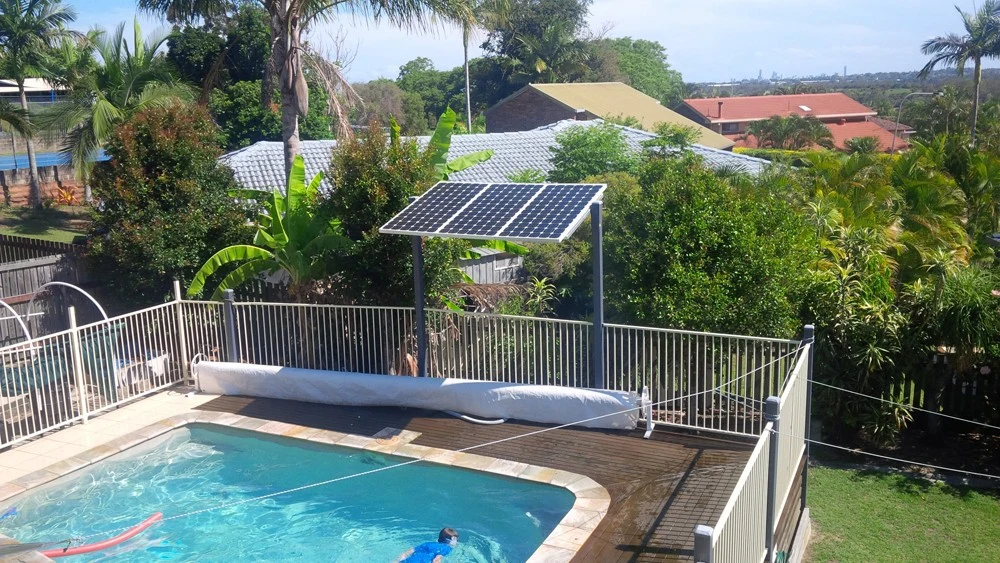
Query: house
point(842, 115)
point(537, 105)
point(261, 165)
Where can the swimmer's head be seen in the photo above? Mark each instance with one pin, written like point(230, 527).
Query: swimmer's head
point(448, 536)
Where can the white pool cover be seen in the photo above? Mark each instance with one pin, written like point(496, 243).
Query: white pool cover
point(548, 404)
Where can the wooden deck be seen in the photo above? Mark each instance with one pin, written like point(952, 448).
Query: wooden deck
point(660, 488)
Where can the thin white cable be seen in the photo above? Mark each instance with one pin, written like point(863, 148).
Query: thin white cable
point(890, 458)
point(79, 539)
point(906, 406)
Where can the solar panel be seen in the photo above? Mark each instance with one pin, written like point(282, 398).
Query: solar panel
point(434, 208)
point(551, 213)
point(521, 212)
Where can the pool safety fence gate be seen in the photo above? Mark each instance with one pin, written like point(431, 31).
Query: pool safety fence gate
point(748, 526)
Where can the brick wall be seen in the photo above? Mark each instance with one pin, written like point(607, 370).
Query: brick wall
point(526, 111)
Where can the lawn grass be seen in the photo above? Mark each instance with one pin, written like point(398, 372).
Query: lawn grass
point(873, 516)
point(59, 224)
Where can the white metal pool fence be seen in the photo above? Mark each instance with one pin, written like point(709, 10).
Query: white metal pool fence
point(746, 530)
point(64, 377)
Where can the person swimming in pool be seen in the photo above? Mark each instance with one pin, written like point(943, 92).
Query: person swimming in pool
point(432, 552)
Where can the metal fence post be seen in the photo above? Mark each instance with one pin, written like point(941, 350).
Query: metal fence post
point(703, 544)
point(77, 362)
point(772, 414)
point(418, 303)
point(229, 306)
point(597, 251)
point(181, 333)
point(808, 337)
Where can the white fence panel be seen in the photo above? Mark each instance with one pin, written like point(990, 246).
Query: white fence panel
point(792, 429)
point(739, 536)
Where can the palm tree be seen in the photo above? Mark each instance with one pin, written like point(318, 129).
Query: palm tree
point(127, 77)
point(792, 132)
point(487, 13)
point(555, 56)
point(981, 41)
point(28, 30)
point(290, 58)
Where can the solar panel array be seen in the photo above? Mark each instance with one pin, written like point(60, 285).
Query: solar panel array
point(518, 212)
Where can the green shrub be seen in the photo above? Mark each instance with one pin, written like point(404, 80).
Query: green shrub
point(689, 251)
point(589, 150)
point(163, 205)
point(373, 181)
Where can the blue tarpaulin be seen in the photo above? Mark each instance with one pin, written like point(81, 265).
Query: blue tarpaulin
point(20, 161)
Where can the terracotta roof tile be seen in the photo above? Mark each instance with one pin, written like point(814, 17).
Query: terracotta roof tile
point(749, 108)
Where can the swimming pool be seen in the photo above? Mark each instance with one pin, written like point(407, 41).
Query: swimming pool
point(369, 518)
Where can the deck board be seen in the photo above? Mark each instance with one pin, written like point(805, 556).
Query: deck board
point(660, 488)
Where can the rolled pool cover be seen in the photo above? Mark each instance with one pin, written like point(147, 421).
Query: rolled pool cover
point(547, 404)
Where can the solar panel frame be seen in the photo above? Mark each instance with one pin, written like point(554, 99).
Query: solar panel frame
point(460, 223)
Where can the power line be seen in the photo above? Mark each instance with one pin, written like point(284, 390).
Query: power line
point(79, 539)
point(906, 406)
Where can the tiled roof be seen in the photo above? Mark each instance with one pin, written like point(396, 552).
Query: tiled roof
point(844, 131)
point(749, 108)
point(261, 166)
point(616, 99)
point(890, 125)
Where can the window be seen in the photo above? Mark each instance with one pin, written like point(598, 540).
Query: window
point(730, 128)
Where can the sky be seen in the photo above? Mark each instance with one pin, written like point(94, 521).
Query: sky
point(706, 40)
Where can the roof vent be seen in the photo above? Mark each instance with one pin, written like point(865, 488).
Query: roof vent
point(805, 108)
point(842, 121)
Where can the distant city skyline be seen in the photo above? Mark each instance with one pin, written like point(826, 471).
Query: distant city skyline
point(707, 41)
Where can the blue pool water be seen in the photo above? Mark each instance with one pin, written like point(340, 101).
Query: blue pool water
point(371, 518)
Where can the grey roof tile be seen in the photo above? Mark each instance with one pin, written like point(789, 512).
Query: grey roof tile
point(261, 166)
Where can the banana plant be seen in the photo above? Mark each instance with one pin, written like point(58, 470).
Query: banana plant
point(291, 236)
point(440, 143)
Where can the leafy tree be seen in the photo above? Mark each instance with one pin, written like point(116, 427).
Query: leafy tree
point(28, 32)
point(670, 137)
point(290, 57)
point(164, 203)
point(128, 77)
point(384, 99)
point(864, 145)
point(436, 88)
point(981, 41)
point(244, 121)
point(193, 52)
point(554, 56)
point(293, 235)
point(583, 151)
point(793, 132)
point(643, 64)
point(530, 18)
point(374, 178)
point(248, 43)
point(687, 250)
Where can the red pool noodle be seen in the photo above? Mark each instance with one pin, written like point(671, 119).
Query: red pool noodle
point(92, 547)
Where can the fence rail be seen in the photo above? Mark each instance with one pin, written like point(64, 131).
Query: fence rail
point(792, 429)
point(14, 248)
point(740, 533)
point(711, 381)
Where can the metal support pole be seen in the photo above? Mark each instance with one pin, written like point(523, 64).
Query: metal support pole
point(703, 544)
point(182, 333)
point(229, 309)
point(418, 303)
point(772, 413)
point(77, 362)
point(809, 338)
point(597, 251)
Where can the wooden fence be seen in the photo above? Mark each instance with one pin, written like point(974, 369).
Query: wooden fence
point(20, 280)
point(15, 249)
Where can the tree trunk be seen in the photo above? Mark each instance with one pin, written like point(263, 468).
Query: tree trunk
point(286, 35)
point(35, 192)
point(289, 129)
point(468, 93)
point(977, 78)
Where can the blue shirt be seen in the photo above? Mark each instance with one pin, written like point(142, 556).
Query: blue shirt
point(426, 552)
